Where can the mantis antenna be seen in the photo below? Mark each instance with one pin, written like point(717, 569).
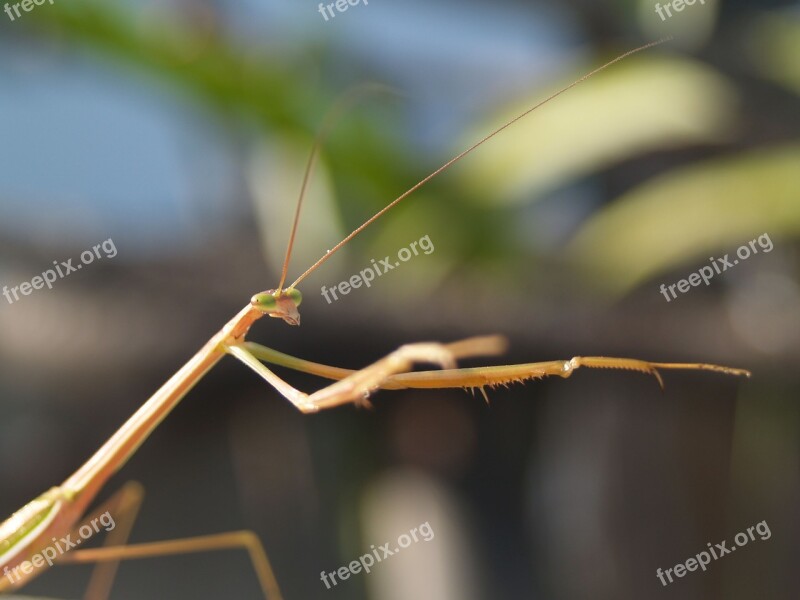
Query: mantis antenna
point(461, 155)
point(345, 102)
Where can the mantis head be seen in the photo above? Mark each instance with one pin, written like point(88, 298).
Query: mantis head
point(281, 304)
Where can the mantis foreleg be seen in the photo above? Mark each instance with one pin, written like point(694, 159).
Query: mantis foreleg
point(391, 371)
point(355, 386)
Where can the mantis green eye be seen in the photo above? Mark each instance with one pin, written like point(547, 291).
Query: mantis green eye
point(295, 295)
point(264, 301)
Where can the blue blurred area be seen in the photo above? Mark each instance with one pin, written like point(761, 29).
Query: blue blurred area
point(126, 156)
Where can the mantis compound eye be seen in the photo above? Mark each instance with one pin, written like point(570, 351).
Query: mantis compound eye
point(264, 301)
point(295, 296)
point(281, 305)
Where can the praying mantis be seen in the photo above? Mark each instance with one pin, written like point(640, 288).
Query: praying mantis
point(58, 514)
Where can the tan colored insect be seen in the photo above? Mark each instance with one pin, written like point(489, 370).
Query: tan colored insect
point(58, 514)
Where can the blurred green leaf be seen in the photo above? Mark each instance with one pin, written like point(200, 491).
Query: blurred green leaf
point(274, 174)
point(775, 46)
point(690, 214)
point(644, 103)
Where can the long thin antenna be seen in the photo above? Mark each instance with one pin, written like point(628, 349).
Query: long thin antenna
point(455, 159)
point(344, 103)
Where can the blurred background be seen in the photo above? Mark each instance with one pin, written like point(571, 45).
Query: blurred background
point(180, 129)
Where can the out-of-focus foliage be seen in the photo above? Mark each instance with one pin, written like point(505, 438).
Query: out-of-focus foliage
point(646, 103)
point(666, 221)
point(276, 104)
point(775, 45)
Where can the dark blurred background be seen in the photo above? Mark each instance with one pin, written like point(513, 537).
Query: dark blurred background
point(179, 130)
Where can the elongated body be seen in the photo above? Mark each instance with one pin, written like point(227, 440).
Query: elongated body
point(58, 510)
point(27, 534)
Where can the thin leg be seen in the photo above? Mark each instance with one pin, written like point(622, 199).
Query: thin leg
point(502, 375)
point(124, 506)
point(483, 376)
point(356, 386)
point(295, 396)
point(246, 540)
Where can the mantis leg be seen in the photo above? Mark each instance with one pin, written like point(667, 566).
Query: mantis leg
point(245, 540)
point(125, 504)
point(486, 376)
point(355, 386)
